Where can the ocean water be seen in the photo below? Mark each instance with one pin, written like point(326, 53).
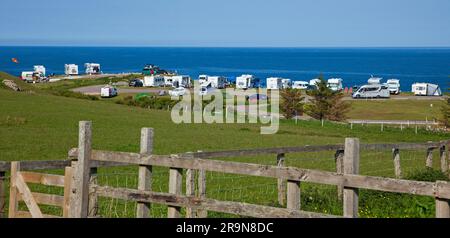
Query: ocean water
point(353, 65)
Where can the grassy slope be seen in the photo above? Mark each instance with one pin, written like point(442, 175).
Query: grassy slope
point(396, 109)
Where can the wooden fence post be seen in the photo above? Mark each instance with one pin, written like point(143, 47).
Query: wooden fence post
point(145, 172)
point(175, 186)
point(429, 162)
point(351, 166)
point(202, 192)
point(281, 182)
point(442, 205)
point(397, 167)
point(443, 156)
point(13, 202)
point(68, 174)
point(339, 160)
point(93, 198)
point(293, 195)
point(2, 194)
point(79, 201)
point(190, 191)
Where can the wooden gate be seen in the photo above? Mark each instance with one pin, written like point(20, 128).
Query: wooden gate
point(19, 191)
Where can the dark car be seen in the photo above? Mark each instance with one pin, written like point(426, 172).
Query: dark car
point(136, 83)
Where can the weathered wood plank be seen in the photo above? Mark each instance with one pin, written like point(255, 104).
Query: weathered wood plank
point(27, 197)
point(25, 214)
point(68, 174)
point(397, 166)
point(46, 199)
point(190, 191)
point(289, 173)
point(443, 157)
point(293, 195)
point(429, 162)
point(80, 189)
point(45, 179)
point(281, 183)
point(175, 186)
point(339, 160)
point(237, 208)
point(3, 194)
point(202, 192)
point(93, 198)
point(145, 172)
point(351, 166)
point(13, 201)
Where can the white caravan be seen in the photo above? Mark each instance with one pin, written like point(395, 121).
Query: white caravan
point(246, 81)
point(426, 89)
point(335, 84)
point(71, 69)
point(108, 91)
point(372, 91)
point(39, 69)
point(168, 80)
point(154, 81)
point(374, 80)
point(217, 81)
point(203, 79)
point(300, 85)
point(183, 81)
point(394, 86)
point(286, 83)
point(314, 82)
point(92, 68)
point(274, 83)
point(27, 76)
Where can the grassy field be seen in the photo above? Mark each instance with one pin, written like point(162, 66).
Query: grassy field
point(41, 126)
point(396, 109)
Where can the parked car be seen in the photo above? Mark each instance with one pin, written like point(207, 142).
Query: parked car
point(372, 91)
point(136, 83)
point(177, 92)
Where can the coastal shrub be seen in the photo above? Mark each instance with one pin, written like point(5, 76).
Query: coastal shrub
point(291, 103)
point(327, 104)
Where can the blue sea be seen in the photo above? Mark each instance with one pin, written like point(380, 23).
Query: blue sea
point(353, 65)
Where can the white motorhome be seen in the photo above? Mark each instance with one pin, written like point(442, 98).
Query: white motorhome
point(217, 81)
point(274, 83)
point(168, 80)
point(300, 85)
point(394, 86)
point(372, 91)
point(92, 68)
point(246, 81)
point(27, 76)
point(71, 69)
point(286, 83)
point(374, 80)
point(108, 91)
point(154, 81)
point(39, 69)
point(335, 84)
point(183, 81)
point(426, 89)
point(203, 79)
point(314, 82)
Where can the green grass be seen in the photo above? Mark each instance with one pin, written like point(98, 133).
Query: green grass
point(396, 109)
point(41, 126)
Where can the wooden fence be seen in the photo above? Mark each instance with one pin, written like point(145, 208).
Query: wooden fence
point(85, 190)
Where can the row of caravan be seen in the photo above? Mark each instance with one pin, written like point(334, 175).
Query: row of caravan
point(39, 71)
point(175, 81)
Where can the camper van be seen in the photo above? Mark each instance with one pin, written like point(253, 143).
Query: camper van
point(374, 80)
point(394, 86)
point(71, 69)
point(246, 81)
point(92, 68)
point(108, 91)
point(300, 85)
point(203, 79)
point(40, 69)
point(335, 84)
point(183, 81)
point(286, 83)
point(372, 91)
point(274, 83)
point(153, 81)
point(426, 89)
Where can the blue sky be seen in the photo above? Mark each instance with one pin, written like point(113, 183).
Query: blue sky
point(272, 23)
